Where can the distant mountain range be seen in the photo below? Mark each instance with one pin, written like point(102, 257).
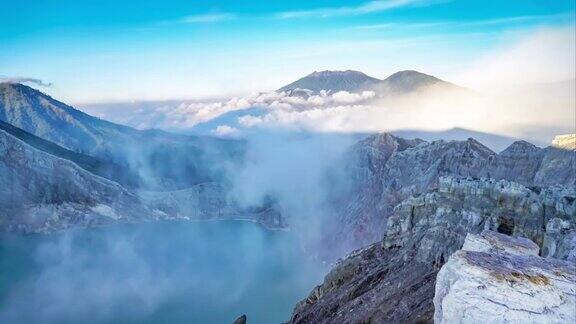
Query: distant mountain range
point(62, 168)
point(354, 81)
point(157, 159)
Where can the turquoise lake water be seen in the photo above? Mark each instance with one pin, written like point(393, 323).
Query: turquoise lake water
point(167, 272)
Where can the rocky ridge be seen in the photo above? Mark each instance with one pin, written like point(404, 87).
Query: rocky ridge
point(383, 170)
point(41, 193)
point(394, 281)
point(158, 160)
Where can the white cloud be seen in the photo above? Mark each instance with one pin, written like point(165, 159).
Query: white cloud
point(180, 116)
point(206, 18)
point(347, 97)
point(364, 8)
point(226, 131)
point(546, 55)
point(469, 23)
point(250, 121)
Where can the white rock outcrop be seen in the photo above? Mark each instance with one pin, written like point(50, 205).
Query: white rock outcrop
point(494, 242)
point(567, 141)
point(500, 284)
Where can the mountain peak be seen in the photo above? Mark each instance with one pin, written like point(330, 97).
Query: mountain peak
point(333, 81)
point(332, 73)
point(15, 90)
point(11, 86)
point(410, 74)
point(410, 80)
point(356, 81)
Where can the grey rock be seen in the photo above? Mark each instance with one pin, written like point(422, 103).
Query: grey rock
point(42, 193)
point(491, 285)
point(560, 240)
point(393, 281)
point(494, 242)
point(240, 320)
point(384, 170)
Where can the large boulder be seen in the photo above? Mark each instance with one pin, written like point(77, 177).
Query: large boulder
point(498, 279)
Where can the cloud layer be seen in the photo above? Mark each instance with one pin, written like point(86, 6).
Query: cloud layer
point(524, 91)
point(362, 9)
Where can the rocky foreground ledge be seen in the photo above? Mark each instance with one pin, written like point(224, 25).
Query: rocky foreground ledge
point(394, 281)
point(501, 279)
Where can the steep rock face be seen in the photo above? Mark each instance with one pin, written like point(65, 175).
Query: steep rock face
point(383, 170)
point(100, 167)
point(502, 281)
point(365, 167)
point(441, 219)
point(40, 192)
point(560, 240)
point(518, 162)
point(558, 166)
point(394, 281)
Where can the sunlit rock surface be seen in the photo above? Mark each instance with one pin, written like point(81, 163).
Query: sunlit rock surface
point(394, 281)
point(567, 141)
point(498, 279)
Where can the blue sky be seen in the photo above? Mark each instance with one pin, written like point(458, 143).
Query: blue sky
point(152, 50)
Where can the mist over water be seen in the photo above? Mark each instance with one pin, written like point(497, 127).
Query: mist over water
point(169, 272)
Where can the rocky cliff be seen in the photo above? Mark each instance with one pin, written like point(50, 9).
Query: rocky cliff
point(383, 170)
point(501, 279)
point(393, 281)
point(41, 193)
